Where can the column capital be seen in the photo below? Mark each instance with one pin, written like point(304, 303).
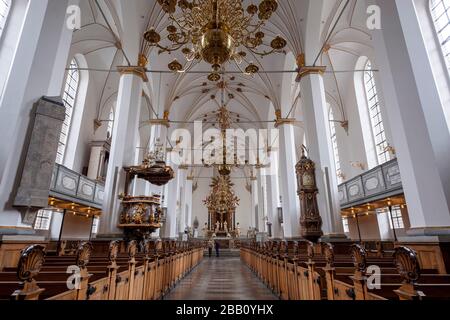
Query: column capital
point(305, 71)
point(279, 121)
point(284, 121)
point(134, 70)
point(161, 122)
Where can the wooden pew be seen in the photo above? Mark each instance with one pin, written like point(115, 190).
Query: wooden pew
point(299, 270)
point(144, 272)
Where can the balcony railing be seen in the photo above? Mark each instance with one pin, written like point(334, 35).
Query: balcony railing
point(381, 182)
point(71, 186)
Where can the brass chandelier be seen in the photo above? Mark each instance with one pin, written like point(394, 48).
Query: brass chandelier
point(216, 31)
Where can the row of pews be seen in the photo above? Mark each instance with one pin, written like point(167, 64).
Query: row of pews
point(302, 270)
point(101, 271)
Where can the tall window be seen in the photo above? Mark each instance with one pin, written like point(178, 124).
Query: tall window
point(69, 98)
point(109, 130)
point(396, 218)
point(95, 226)
point(376, 120)
point(440, 11)
point(43, 220)
point(345, 224)
point(5, 5)
point(335, 145)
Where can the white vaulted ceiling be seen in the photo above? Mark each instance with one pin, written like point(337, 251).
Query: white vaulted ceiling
point(112, 33)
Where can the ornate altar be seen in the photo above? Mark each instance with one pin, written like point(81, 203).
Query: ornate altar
point(142, 215)
point(221, 204)
point(310, 220)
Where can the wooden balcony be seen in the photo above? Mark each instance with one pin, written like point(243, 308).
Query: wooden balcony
point(71, 186)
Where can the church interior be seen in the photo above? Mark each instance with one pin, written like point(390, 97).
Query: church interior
point(225, 150)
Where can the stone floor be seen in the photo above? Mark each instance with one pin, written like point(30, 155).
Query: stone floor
point(224, 278)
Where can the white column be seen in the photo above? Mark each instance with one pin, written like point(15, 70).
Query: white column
point(38, 52)
point(170, 226)
point(261, 222)
point(123, 149)
point(288, 182)
point(416, 117)
point(188, 202)
point(254, 202)
point(272, 205)
point(182, 188)
point(318, 137)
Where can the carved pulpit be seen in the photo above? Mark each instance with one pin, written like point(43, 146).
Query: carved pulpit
point(142, 215)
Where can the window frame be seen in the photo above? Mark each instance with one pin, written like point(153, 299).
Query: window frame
point(334, 143)
point(443, 43)
point(346, 224)
point(95, 224)
point(43, 220)
point(70, 95)
point(4, 14)
point(110, 127)
point(373, 106)
point(396, 218)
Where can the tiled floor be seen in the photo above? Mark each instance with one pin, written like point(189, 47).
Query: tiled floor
point(224, 278)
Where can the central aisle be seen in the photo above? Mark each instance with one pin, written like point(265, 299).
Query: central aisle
point(224, 278)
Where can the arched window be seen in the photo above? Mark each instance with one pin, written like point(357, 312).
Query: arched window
point(69, 98)
point(109, 130)
point(376, 120)
point(5, 5)
point(440, 11)
point(335, 145)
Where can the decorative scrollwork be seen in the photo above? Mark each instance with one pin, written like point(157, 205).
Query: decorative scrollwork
point(359, 255)
point(132, 249)
point(113, 251)
point(328, 250)
point(407, 264)
point(30, 263)
point(84, 252)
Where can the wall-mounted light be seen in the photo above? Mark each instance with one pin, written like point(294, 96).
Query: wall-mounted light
point(389, 202)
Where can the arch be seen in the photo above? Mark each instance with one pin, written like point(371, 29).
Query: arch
point(76, 121)
point(5, 6)
point(69, 98)
point(376, 118)
point(334, 143)
point(440, 12)
point(110, 126)
point(374, 136)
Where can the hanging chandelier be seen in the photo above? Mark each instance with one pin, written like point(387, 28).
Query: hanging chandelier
point(216, 31)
